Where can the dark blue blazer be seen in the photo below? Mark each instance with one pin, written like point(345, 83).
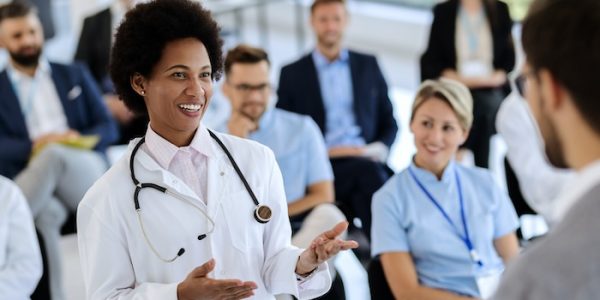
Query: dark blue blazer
point(299, 91)
point(85, 112)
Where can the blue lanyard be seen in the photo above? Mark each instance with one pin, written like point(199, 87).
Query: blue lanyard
point(470, 30)
point(466, 239)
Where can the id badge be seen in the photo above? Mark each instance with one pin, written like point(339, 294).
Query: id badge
point(474, 68)
point(487, 284)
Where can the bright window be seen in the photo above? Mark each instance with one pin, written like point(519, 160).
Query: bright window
point(518, 8)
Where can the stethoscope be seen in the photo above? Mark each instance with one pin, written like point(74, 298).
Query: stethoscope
point(262, 213)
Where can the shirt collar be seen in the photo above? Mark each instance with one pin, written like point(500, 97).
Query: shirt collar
point(426, 175)
point(321, 61)
point(576, 188)
point(164, 151)
point(16, 75)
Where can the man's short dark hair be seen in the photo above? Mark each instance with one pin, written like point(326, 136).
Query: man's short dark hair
point(564, 37)
point(244, 54)
point(323, 2)
point(143, 35)
point(16, 9)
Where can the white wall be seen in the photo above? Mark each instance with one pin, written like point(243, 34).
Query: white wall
point(397, 35)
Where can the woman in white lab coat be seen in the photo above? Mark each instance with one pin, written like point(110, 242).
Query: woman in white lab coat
point(188, 213)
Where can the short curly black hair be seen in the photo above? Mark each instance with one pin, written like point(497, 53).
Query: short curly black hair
point(146, 30)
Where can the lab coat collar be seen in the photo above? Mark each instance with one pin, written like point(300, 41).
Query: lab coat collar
point(164, 152)
point(220, 174)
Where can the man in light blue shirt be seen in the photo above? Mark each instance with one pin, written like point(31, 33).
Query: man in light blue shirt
point(340, 122)
point(295, 140)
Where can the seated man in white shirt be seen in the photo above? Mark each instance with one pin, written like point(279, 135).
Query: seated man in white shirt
point(295, 139)
point(539, 181)
point(20, 258)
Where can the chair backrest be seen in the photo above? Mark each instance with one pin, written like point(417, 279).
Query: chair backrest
point(514, 192)
point(377, 282)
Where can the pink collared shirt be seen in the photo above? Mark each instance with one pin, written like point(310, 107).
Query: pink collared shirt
point(189, 163)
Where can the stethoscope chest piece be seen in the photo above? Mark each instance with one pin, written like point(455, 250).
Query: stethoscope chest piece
point(262, 213)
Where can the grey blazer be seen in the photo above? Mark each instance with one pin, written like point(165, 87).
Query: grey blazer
point(563, 265)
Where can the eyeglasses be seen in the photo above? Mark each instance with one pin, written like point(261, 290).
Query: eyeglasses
point(247, 88)
point(518, 81)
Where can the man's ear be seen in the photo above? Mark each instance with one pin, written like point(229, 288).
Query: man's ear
point(552, 91)
point(138, 83)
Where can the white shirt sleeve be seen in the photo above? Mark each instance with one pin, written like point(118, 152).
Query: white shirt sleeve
point(20, 258)
point(540, 182)
point(281, 257)
point(101, 248)
point(377, 151)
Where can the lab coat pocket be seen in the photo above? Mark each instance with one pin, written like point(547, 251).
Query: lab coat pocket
point(244, 230)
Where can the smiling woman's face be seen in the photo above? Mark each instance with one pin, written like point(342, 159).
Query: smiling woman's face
point(178, 90)
point(437, 133)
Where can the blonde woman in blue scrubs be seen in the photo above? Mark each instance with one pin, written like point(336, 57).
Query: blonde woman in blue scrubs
point(442, 230)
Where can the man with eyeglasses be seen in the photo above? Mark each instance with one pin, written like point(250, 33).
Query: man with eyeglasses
point(561, 40)
point(295, 140)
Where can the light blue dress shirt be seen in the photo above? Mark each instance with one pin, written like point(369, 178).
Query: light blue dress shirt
point(335, 81)
point(299, 150)
point(406, 220)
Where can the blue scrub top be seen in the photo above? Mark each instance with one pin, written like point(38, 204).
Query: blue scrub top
point(406, 220)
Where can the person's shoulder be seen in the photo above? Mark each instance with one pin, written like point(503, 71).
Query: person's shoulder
point(7, 184)
point(553, 267)
point(293, 120)
point(9, 191)
point(501, 5)
point(361, 55)
point(394, 194)
point(96, 16)
point(248, 147)
point(101, 191)
point(581, 218)
point(474, 173)
point(396, 185)
point(445, 6)
point(299, 63)
point(73, 69)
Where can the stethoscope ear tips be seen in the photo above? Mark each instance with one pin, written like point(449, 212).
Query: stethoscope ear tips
point(262, 214)
point(181, 251)
point(201, 237)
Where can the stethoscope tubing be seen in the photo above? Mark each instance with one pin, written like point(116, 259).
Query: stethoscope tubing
point(262, 213)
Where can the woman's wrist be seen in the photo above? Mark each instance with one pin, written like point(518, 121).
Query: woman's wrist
point(304, 268)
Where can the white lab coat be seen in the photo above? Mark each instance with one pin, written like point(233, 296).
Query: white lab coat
point(118, 263)
point(20, 257)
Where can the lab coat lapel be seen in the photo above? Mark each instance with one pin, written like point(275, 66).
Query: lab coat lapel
point(219, 175)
